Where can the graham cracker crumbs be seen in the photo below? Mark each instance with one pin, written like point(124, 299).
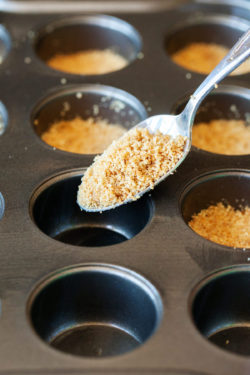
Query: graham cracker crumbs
point(224, 225)
point(88, 62)
point(203, 58)
point(131, 164)
point(82, 136)
point(228, 137)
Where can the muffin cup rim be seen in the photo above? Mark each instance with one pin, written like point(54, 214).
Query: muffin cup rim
point(203, 177)
point(227, 20)
point(87, 19)
point(213, 274)
point(106, 268)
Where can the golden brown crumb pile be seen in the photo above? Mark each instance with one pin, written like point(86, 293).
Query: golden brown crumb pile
point(88, 62)
point(203, 58)
point(81, 136)
point(229, 137)
point(224, 225)
point(130, 165)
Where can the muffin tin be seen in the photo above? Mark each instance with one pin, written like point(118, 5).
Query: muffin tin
point(134, 290)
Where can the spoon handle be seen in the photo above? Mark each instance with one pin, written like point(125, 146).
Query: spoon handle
point(239, 52)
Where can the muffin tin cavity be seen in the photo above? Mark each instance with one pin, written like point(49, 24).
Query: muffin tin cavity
point(216, 29)
point(228, 187)
point(101, 103)
point(95, 310)
point(224, 103)
point(56, 213)
point(2, 205)
point(86, 33)
point(5, 43)
point(3, 118)
point(221, 309)
point(231, 187)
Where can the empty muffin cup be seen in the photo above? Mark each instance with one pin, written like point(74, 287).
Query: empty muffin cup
point(222, 122)
point(95, 310)
point(86, 119)
point(54, 209)
point(202, 42)
point(220, 308)
point(213, 198)
point(93, 44)
point(5, 43)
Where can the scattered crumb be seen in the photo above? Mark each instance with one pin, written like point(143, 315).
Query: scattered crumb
point(233, 108)
point(227, 342)
point(188, 75)
point(116, 106)
point(203, 58)
point(228, 137)
point(27, 60)
point(130, 165)
point(95, 109)
point(63, 81)
point(223, 224)
point(66, 107)
point(89, 136)
point(88, 62)
point(105, 99)
point(79, 95)
point(140, 55)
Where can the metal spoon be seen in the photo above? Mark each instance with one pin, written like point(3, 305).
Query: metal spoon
point(182, 123)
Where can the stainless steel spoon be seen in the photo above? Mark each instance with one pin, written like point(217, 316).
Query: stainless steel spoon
point(182, 123)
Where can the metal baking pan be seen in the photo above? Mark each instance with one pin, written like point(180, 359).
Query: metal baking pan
point(134, 290)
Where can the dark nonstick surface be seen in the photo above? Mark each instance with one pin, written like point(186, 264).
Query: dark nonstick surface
point(136, 286)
